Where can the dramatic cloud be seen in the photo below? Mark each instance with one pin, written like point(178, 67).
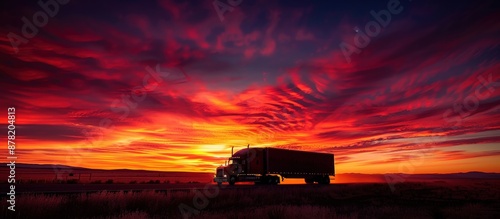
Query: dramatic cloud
point(166, 85)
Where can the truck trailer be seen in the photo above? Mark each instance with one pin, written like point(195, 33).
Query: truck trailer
point(273, 165)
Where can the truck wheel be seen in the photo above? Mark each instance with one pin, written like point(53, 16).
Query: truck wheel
point(274, 180)
point(232, 180)
point(309, 180)
point(325, 180)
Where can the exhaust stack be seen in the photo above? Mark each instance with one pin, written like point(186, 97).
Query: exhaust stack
point(248, 151)
point(247, 162)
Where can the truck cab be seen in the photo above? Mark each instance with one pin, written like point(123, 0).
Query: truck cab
point(246, 165)
point(231, 171)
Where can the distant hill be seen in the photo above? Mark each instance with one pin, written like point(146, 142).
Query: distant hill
point(49, 173)
point(79, 169)
point(359, 177)
point(28, 171)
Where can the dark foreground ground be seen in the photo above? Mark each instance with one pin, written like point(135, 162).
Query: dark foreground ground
point(473, 199)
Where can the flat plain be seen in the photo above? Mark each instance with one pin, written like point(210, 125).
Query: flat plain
point(439, 199)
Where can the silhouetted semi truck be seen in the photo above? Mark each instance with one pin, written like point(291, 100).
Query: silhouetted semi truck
point(273, 165)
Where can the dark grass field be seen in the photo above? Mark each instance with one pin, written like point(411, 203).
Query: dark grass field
point(440, 199)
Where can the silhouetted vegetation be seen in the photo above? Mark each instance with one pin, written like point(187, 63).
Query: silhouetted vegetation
point(409, 200)
point(72, 181)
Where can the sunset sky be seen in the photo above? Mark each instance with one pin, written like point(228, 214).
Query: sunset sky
point(169, 85)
